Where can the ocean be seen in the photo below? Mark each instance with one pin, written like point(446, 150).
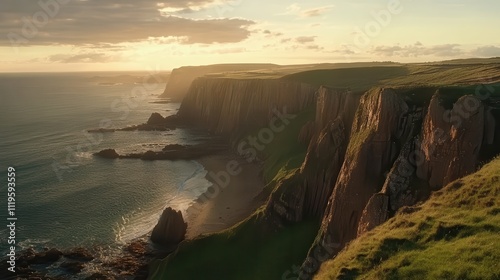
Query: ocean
point(66, 197)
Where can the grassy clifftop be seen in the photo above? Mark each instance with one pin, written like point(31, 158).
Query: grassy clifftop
point(363, 78)
point(453, 235)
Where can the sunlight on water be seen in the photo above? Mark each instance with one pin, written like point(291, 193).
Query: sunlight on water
point(92, 201)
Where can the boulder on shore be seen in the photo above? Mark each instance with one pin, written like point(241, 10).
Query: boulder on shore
point(170, 229)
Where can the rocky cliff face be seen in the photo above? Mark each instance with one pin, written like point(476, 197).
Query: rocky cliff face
point(181, 78)
point(335, 112)
point(398, 152)
point(369, 154)
point(451, 141)
point(228, 106)
point(371, 151)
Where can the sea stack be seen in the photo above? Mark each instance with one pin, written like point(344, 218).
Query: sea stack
point(170, 229)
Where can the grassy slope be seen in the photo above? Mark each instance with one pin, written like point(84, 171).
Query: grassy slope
point(363, 78)
point(247, 251)
point(454, 235)
point(251, 249)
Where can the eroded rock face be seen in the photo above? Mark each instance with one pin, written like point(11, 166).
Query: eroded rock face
point(374, 214)
point(171, 228)
point(398, 184)
point(228, 106)
point(306, 193)
point(369, 154)
point(451, 140)
point(286, 203)
point(335, 111)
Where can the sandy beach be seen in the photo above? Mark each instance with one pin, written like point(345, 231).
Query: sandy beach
point(226, 204)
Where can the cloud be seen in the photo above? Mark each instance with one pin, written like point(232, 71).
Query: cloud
point(305, 39)
point(269, 33)
point(418, 49)
point(316, 12)
point(114, 21)
point(486, 51)
point(295, 9)
point(82, 58)
point(314, 47)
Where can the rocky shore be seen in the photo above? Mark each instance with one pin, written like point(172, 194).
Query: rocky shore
point(131, 262)
point(172, 152)
point(156, 122)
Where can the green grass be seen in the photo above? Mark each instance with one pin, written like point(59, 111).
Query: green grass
point(285, 154)
point(250, 250)
point(453, 235)
point(358, 79)
point(364, 78)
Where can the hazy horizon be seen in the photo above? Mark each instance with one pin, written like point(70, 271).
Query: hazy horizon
point(67, 36)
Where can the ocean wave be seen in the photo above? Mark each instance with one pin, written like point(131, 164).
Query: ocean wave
point(140, 222)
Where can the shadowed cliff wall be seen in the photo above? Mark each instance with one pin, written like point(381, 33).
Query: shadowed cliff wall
point(230, 106)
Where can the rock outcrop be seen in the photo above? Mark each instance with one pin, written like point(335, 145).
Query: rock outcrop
point(172, 152)
point(170, 229)
point(156, 122)
point(374, 214)
point(108, 153)
point(156, 119)
point(451, 140)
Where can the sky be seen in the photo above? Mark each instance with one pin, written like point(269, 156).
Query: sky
point(110, 35)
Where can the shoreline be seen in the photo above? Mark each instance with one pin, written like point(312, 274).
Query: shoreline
point(223, 205)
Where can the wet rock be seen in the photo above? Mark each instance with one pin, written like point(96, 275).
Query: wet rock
point(156, 119)
point(108, 153)
point(72, 267)
point(170, 229)
point(80, 254)
point(100, 276)
point(46, 257)
point(137, 248)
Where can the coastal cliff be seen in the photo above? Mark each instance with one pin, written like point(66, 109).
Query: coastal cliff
point(327, 138)
point(232, 106)
point(181, 78)
point(367, 154)
point(399, 151)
